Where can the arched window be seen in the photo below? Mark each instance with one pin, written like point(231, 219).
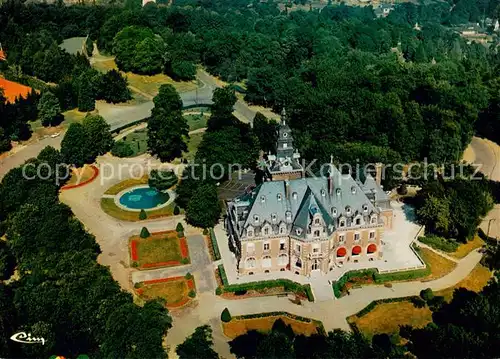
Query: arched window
point(250, 263)
point(316, 221)
point(298, 264)
point(282, 259)
point(356, 250)
point(316, 233)
point(266, 262)
point(372, 248)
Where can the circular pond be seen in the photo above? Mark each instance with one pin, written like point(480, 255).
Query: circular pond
point(143, 197)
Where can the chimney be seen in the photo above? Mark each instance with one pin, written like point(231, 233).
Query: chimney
point(287, 189)
point(330, 183)
point(378, 173)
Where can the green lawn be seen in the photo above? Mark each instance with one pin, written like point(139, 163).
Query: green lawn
point(161, 247)
point(108, 206)
point(196, 122)
point(138, 141)
point(194, 142)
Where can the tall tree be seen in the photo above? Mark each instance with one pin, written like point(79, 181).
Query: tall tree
point(204, 209)
point(266, 131)
point(198, 345)
point(98, 132)
point(167, 128)
point(113, 87)
point(75, 146)
point(86, 93)
point(49, 109)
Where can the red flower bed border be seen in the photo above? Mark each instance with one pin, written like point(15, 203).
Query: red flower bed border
point(133, 250)
point(94, 176)
point(184, 247)
point(181, 303)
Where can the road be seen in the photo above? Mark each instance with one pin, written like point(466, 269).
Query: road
point(487, 154)
point(118, 116)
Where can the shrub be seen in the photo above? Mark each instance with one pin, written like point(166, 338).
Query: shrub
point(138, 285)
point(121, 149)
point(436, 302)
point(223, 276)
point(225, 316)
point(135, 264)
point(402, 190)
point(177, 210)
point(145, 233)
point(439, 243)
point(205, 231)
point(185, 260)
point(218, 290)
point(426, 294)
point(288, 285)
point(240, 292)
point(418, 302)
point(188, 276)
point(143, 215)
point(215, 246)
point(192, 293)
point(179, 227)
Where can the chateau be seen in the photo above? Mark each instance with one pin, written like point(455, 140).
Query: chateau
point(306, 225)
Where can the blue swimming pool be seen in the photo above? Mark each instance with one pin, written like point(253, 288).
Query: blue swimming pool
point(143, 198)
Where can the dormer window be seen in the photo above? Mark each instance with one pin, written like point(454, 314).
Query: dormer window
point(262, 199)
point(288, 216)
point(294, 195)
point(298, 231)
point(256, 218)
point(334, 212)
point(279, 197)
point(365, 208)
point(353, 190)
point(316, 233)
point(316, 221)
point(358, 221)
point(342, 223)
point(348, 210)
point(273, 217)
point(338, 191)
point(323, 193)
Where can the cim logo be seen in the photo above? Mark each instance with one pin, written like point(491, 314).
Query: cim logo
point(22, 337)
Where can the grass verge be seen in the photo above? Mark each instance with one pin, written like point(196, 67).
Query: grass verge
point(109, 207)
point(264, 322)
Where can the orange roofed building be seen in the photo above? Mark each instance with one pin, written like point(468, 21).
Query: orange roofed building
point(13, 90)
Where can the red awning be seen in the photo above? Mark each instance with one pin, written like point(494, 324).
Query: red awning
point(372, 248)
point(356, 250)
point(341, 252)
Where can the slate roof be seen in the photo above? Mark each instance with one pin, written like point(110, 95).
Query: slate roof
point(295, 202)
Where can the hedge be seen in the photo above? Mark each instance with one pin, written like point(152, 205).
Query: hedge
point(339, 284)
point(439, 243)
point(223, 276)
point(215, 246)
point(379, 278)
point(288, 285)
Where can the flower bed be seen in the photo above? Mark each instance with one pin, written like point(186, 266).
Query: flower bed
point(161, 249)
point(174, 290)
point(95, 173)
